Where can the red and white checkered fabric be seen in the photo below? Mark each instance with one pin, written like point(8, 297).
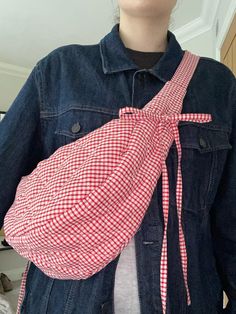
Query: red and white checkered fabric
point(78, 209)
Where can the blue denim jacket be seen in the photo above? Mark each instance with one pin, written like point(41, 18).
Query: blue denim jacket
point(78, 88)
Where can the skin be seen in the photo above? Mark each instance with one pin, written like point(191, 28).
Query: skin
point(144, 23)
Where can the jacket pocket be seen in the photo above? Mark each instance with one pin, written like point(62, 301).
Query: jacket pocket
point(77, 122)
point(204, 151)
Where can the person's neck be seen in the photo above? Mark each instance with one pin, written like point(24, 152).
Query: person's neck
point(143, 35)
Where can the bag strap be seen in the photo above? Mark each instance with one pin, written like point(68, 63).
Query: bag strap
point(169, 99)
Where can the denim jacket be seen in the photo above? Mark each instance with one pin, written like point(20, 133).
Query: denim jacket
point(77, 88)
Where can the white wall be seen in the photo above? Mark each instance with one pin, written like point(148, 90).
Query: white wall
point(203, 45)
point(222, 11)
point(10, 86)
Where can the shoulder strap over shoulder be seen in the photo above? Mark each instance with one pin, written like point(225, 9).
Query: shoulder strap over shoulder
point(169, 99)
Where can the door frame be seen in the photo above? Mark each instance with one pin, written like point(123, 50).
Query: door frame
point(225, 28)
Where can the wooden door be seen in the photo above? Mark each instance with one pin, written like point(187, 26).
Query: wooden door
point(228, 49)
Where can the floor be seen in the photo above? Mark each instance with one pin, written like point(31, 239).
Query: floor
point(11, 298)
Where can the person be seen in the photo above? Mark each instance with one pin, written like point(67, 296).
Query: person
point(77, 88)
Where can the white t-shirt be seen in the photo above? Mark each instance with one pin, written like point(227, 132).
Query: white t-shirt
point(126, 300)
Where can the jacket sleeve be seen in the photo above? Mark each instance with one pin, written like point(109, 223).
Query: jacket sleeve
point(20, 144)
point(223, 215)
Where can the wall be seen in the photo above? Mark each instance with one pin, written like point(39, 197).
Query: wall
point(12, 79)
point(203, 44)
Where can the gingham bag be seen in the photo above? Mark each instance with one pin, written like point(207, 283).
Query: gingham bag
point(78, 209)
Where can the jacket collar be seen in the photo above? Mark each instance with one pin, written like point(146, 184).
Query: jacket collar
point(115, 58)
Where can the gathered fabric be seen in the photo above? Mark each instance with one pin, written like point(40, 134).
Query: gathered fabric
point(78, 209)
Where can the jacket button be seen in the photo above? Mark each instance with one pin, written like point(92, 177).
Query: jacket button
point(75, 127)
point(202, 142)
